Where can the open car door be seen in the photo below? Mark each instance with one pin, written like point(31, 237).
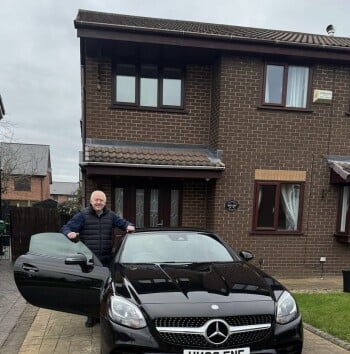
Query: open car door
point(61, 275)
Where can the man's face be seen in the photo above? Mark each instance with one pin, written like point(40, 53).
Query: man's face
point(98, 201)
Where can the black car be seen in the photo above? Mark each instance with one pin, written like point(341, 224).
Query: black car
point(167, 291)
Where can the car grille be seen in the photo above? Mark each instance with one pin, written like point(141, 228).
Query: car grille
point(199, 340)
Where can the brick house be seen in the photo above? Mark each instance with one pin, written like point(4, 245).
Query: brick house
point(26, 173)
point(63, 191)
point(242, 131)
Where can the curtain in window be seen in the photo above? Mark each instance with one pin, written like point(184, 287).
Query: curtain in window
point(290, 201)
point(344, 208)
point(298, 78)
point(259, 197)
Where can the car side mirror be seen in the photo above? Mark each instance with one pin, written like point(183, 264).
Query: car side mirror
point(246, 255)
point(81, 260)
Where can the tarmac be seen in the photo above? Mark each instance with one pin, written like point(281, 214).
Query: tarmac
point(26, 329)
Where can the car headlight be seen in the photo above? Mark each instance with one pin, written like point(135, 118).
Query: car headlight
point(287, 309)
point(125, 313)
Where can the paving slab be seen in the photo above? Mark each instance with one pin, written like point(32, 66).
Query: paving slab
point(57, 332)
point(12, 303)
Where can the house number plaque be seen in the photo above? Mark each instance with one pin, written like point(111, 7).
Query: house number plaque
point(231, 205)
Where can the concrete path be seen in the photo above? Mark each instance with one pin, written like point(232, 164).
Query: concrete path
point(314, 344)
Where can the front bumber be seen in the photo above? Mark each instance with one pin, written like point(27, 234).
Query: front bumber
point(287, 339)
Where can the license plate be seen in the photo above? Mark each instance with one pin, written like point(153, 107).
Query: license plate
point(218, 351)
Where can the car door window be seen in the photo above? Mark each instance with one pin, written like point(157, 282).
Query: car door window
point(57, 245)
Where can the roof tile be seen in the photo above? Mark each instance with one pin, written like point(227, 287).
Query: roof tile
point(137, 23)
point(160, 155)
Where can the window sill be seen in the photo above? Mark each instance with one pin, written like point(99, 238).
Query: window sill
point(341, 238)
point(149, 109)
point(289, 109)
point(276, 233)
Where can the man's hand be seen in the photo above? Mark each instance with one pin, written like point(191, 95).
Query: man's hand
point(72, 235)
point(130, 228)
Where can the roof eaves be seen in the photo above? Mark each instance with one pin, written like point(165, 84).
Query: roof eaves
point(136, 165)
point(285, 37)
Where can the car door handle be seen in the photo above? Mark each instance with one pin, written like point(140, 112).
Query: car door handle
point(29, 268)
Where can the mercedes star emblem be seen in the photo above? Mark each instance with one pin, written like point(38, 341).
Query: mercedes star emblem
point(217, 331)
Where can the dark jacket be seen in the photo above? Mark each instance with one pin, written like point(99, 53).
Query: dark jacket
point(96, 230)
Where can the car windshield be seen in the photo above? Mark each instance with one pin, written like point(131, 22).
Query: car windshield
point(173, 247)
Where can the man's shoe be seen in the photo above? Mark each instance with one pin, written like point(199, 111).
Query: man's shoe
point(89, 322)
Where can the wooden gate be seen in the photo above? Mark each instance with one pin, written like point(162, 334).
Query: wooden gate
point(27, 221)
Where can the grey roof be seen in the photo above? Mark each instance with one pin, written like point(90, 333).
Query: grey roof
point(101, 20)
point(64, 188)
point(25, 159)
point(151, 155)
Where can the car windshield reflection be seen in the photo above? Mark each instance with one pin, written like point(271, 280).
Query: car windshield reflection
point(173, 247)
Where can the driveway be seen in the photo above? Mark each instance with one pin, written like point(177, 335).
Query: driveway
point(57, 332)
point(45, 331)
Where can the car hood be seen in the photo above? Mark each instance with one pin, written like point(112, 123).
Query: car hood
point(194, 283)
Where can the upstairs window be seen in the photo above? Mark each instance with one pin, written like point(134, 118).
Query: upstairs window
point(126, 84)
point(22, 183)
point(172, 87)
point(149, 86)
point(277, 207)
point(286, 86)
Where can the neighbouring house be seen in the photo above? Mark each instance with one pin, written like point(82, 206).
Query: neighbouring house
point(26, 173)
point(64, 191)
point(243, 131)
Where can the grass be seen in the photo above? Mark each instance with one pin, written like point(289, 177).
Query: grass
point(329, 312)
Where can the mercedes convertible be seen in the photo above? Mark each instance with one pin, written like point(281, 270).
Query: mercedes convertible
point(166, 291)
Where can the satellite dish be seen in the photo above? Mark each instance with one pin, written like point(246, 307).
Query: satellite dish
point(330, 30)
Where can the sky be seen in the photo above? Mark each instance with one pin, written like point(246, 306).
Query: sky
point(40, 63)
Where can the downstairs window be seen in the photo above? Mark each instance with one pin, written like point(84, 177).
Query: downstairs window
point(343, 220)
point(277, 207)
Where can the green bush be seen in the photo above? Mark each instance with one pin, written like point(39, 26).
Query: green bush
point(68, 208)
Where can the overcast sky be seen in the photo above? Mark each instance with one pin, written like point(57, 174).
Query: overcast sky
point(39, 56)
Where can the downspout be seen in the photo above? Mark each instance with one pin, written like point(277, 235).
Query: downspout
point(83, 116)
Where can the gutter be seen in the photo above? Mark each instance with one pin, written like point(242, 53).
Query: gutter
point(177, 167)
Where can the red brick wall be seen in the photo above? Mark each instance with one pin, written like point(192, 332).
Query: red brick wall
point(135, 125)
point(40, 190)
point(253, 138)
point(194, 207)
point(222, 104)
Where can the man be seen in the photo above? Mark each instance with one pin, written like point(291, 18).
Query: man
point(94, 225)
